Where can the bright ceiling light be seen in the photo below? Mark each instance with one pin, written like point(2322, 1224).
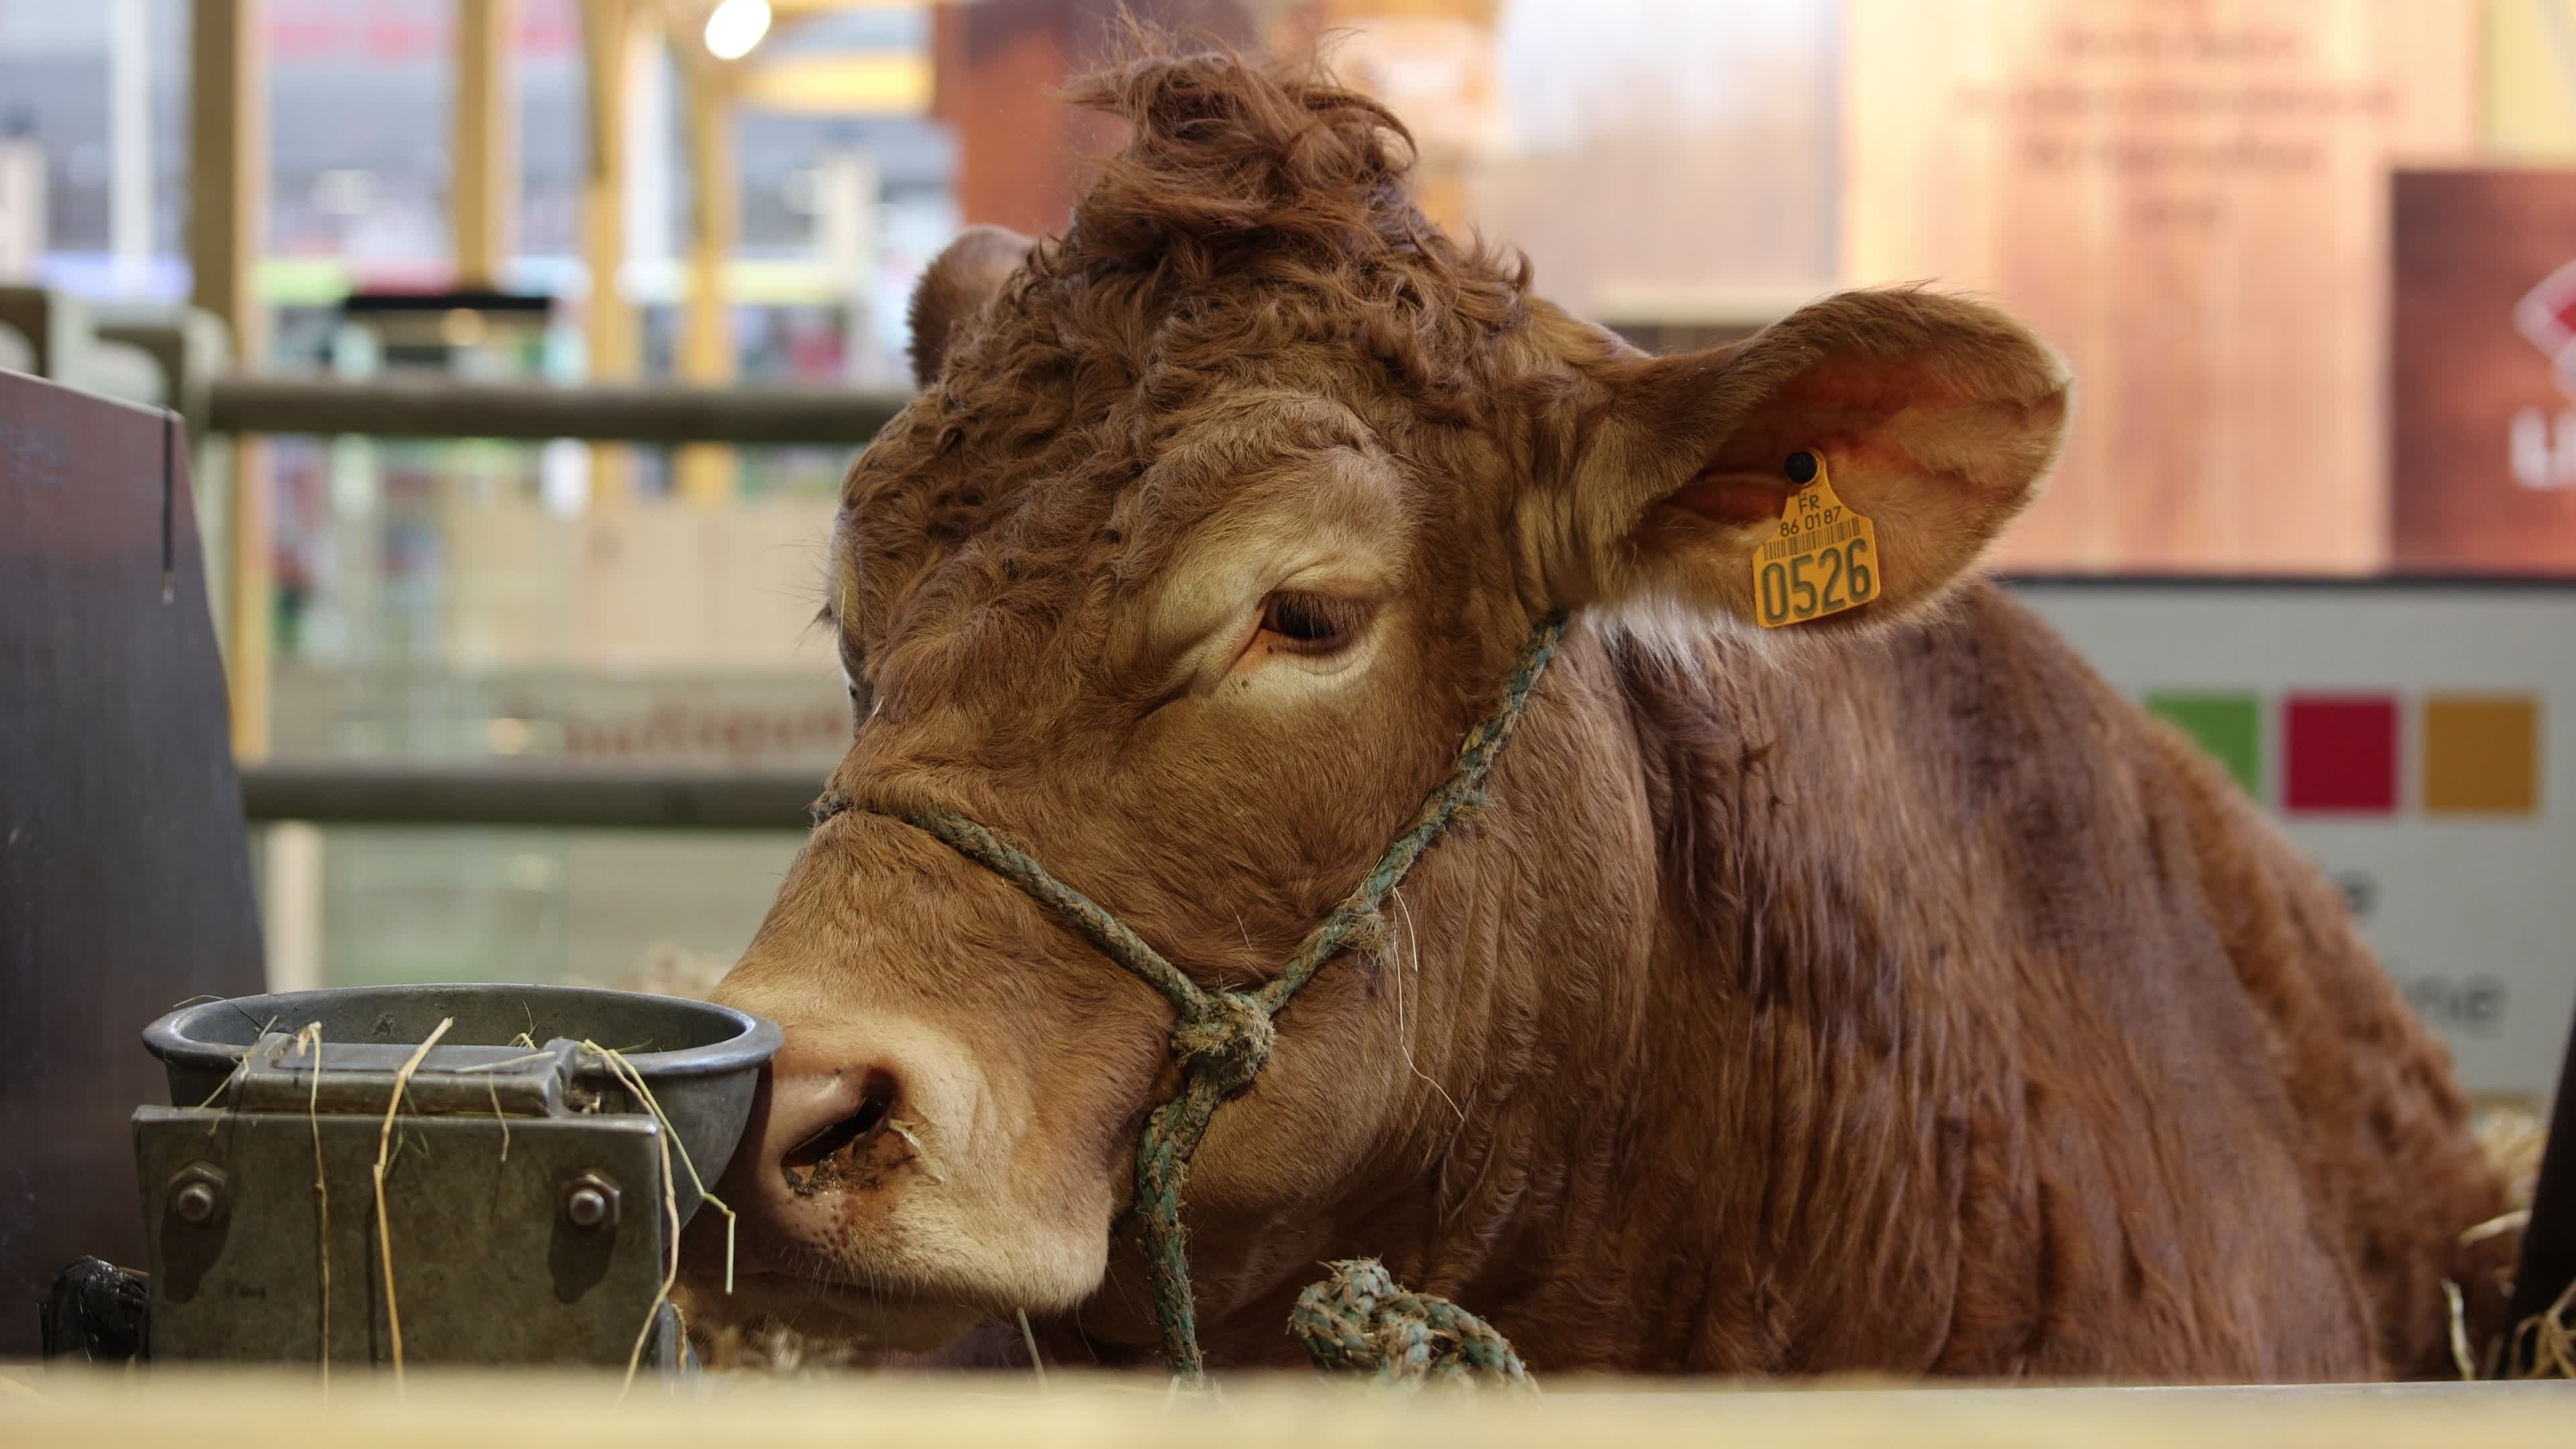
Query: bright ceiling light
point(735, 26)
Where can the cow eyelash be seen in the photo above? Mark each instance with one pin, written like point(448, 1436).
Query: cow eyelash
point(1312, 623)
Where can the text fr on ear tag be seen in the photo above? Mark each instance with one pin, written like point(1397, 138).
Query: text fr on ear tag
point(1823, 559)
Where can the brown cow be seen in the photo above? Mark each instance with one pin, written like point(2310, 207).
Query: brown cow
point(1881, 993)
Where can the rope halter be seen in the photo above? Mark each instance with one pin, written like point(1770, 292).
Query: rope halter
point(1222, 1037)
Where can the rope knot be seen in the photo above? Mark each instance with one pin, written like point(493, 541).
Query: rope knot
point(1359, 1321)
point(1227, 1035)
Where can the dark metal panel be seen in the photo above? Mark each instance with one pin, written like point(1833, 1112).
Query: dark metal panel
point(441, 407)
point(124, 875)
point(2549, 1244)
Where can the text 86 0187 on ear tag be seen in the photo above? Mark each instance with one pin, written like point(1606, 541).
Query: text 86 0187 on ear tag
point(1821, 561)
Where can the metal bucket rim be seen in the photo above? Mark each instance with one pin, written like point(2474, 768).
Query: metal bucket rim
point(753, 1042)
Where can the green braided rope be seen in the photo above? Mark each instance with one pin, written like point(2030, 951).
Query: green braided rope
point(1106, 931)
point(1359, 1321)
point(1475, 756)
point(1223, 1037)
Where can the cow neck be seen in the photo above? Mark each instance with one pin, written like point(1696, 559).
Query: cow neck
point(1222, 1037)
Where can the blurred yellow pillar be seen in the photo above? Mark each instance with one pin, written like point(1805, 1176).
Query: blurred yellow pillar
point(484, 124)
point(706, 355)
point(608, 32)
point(2527, 79)
point(227, 189)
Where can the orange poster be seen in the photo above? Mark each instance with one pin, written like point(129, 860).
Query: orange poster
point(2190, 199)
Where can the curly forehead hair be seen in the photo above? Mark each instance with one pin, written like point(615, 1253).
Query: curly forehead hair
point(1250, 241)
point(1253, 206)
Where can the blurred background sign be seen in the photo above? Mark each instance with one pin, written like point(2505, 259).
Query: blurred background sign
point(2482, 370)
point(2415, 738)
point(2189, 199)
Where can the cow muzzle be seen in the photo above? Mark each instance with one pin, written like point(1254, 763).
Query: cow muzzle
point(856, 1217)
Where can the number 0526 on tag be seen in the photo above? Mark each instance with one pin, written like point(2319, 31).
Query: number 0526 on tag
point(1822, 559)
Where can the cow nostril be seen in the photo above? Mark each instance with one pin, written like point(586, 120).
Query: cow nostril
point(876, 1104)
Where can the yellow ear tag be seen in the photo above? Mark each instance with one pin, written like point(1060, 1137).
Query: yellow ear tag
point(1823, 559)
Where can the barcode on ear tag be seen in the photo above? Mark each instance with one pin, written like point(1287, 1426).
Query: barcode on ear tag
point(1823, 559)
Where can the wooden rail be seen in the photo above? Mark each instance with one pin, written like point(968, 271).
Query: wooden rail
point(245, 1406)
point(541, 796)
point(443, 407)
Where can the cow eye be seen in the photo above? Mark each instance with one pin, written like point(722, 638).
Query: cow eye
point(1311, 623)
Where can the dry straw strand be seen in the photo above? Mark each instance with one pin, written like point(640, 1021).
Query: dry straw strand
point(311, 1036)
point(505, 1062)
point(670, 1275)
point(2553, 1341)
point(501, 1117)
point(2461, 1358)
point(625, 1072)
point(241, 1066)
point(920, 1155)
point(1037, 1365)
point(384, 1225)
point(2512, 1222)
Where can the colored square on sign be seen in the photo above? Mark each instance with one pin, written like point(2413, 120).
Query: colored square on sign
point(2339, 754)
point(2481, 755)
point(2229, 727)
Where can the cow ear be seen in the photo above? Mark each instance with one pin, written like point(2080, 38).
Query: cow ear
point(959, 280)
point(1932, 417)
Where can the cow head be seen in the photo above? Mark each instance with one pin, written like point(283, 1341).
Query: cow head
point(1214, 525)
